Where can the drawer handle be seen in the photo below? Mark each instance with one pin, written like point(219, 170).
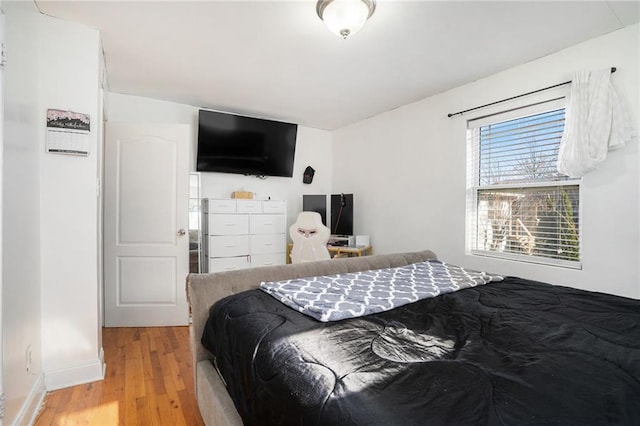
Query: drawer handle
point(230, 246)
point(268, 244)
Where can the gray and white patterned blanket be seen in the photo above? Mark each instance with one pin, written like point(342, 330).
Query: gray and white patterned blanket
point(335, 297)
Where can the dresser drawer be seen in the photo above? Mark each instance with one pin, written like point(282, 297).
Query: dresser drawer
point(228, 245)
point(228, 224)
point(249, 206)
point(267, 259)
point(274, 207)
point(220, 206)
point(268, 243)
point(222, 264)
point(267, 224)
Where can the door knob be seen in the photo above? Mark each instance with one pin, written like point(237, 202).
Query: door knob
point(181, 232)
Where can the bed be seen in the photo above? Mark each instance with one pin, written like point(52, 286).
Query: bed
point(513, 351)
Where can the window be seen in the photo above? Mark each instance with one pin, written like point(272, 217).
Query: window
point(519, 206)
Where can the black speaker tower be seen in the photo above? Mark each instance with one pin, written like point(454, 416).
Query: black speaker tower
point(342, 214)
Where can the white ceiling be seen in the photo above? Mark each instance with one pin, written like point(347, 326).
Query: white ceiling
point(275, 59)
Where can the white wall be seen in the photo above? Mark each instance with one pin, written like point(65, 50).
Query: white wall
point(407, 169)
point(49, 212)
point(69, 202)
point(21, 215)
point(313, 147)
point(137, 109)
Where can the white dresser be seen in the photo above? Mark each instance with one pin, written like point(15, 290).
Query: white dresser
point(240, 233)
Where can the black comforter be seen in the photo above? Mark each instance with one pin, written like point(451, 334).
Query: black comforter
point(515, 352)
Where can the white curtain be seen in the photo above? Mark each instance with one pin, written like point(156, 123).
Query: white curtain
point(595, 122)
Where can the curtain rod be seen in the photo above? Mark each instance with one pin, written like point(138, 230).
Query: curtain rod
point(613, 69)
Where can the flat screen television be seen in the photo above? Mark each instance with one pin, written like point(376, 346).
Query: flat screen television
point(229, 143)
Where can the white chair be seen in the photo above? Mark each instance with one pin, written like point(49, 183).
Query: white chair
point(309, 238)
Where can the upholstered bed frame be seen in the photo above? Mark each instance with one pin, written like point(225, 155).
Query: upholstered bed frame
point(204, 290)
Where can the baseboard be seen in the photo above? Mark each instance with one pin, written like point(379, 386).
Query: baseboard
point(75, 375)
point(31, 407)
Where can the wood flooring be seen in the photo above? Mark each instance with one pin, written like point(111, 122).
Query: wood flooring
point(148, 381)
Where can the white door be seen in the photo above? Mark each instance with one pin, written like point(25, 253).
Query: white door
point(146, 247)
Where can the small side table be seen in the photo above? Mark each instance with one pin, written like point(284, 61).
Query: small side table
point(337, 251)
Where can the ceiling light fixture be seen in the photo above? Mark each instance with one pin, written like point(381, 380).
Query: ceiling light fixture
point(345, 17)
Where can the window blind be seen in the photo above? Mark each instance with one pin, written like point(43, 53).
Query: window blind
point(521, 207)
point(521, 150)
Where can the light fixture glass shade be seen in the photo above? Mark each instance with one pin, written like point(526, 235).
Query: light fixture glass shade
point(345, 17)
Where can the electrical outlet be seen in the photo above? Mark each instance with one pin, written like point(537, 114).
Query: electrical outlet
point(28, 359)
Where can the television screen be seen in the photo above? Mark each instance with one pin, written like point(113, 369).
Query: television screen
point(316, 203)
point(229, 143)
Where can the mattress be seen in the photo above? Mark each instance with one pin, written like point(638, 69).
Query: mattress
point(511, 352)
